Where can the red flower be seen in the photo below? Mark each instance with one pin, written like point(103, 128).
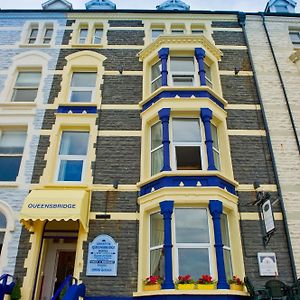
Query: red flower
point(205, 279)
point(152, 280)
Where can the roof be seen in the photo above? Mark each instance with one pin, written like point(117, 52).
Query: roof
point(100, 5)
point(173, 5)
point(57, 4)
point(273, 3)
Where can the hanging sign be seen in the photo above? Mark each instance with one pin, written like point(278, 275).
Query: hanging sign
point(267, 264)
point(102, 257)
point(268, 217)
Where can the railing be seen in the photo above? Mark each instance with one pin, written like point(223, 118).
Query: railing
point(73, 290)
point(5, 288)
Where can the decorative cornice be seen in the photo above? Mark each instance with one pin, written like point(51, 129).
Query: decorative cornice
point(294, 57)
point(167, 41)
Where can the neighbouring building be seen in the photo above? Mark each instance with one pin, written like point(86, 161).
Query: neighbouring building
point(148, 143)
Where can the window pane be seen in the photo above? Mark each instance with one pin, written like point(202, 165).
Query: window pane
point(183, 80)
point(295, 37)
point(227, 262)
point(74, 143)
point(3, 223)
point(81, 96)
point(9, 167)
point(156, 33)
point(188, 157)
point(191, 226)
point(214, 134)
point(156, 230)
point(182, 64)
point(216, 159)
point(12, 142)
point(82, 35)
point(98, 35)
point(157, 160)
point(24, 95)
point(28, 79)
point(156, 84)
point(156, 70)
point(186, 130)
point(196, 31)
point(70, 170)
point(156, 135)
point(83, 79)
point(224, 230)
point(177, 31)
point(157, 262)
point(48, 33)
point(193, 261)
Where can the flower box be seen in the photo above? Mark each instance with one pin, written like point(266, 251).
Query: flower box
point(236, 287)
point(151, 287)
point(210, 286)
point(185, 286)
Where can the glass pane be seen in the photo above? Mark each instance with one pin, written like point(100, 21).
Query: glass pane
point(227, 262)
point(83, 35)
point(33, 33)
point(156, 135)
point(177, 31)
point(225, 231)
point(196, 31)
point(156, 70)
point(97, 36)
point(24, 95)
point(182, 64)
point(156, 84)
point(3, 222)
point(188, 158)
point(156, 230)
point(157, 161)
point(70, 170)
point(186, 130)
point(157, 262)
point(28, 79)
point(9, 167)
point(216, 159)
point(214, 134)
point(84, 79)
point(191, 226)
point(81, 96)
point(183, 80)
point(156, 33)
point(295, 37)
point(193, 261)
point(12, 142)
point(74, 143)
point(48, 33)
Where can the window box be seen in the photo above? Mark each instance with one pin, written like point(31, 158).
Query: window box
point(236, 287)
point(210, 286)
point(151, 287)
point(185, 286)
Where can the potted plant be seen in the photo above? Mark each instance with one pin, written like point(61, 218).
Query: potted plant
point(185, 282)
point(236, 283)
point(16, 292)
point(206, 282)
point(152, 283)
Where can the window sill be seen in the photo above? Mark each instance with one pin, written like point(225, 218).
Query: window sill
point(18, 105)
point(191, 292)
point(65, 185)
point(87, 45)
point(35, 45)
point(8, 184)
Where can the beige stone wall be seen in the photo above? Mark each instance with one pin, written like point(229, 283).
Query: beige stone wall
point(284, 145)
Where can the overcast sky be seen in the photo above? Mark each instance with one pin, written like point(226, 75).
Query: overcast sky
point(241, 5)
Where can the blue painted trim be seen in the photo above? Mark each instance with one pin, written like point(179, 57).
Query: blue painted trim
point(166, 209)
point(206, 116)
point(171, 297)
point(182, 94)
point(188, 181)
point(216, 209)
point(163, 54)
point(64, 109)
point(164, 115)
point(200, 55)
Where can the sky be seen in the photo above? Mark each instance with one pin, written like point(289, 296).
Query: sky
point(240, 5)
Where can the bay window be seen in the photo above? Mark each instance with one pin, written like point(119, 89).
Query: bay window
point(187, 144)
point(215, 147)
point(182, 71)
point(226, 247)
point(11, 151)
point(82, 86)
point(156, 78)
point(156, 148)
point(72, 155)
point(208, 78)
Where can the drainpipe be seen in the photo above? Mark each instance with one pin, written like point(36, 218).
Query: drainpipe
point(242, 22)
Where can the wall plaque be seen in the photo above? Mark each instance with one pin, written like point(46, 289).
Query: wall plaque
point(267, 264)
point(102, 257)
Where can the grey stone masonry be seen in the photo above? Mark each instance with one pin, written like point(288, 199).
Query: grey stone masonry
point(122, 89)
point(125, 23)
point(49, 119)
point(117, 158)
point(40, 163)
point(251, 159)
point(235, 59)
point(66, 37)
point(253, 243)
point(244, 119)
point(125, 234)
point(116, 58)
point(125, 37)
point(55, 89)
point(239, 89)
point(119, 120)
point(224, 24)
point(229, 38)
point(114, 201)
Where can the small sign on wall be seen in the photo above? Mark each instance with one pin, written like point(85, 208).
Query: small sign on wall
point(267, 264)
point(268, 217)
point(102, 257)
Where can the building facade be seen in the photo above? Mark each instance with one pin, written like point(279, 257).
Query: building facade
point(151, 135)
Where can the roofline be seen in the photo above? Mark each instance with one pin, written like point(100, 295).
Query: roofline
point(143, 11)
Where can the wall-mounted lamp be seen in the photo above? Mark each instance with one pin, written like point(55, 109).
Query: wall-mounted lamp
point(121, 69)
point(115, 183)
point(236, 71)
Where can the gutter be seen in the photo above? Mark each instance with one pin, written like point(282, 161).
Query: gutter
point(242, 22)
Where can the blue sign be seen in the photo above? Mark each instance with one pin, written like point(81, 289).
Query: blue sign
point(102, 257)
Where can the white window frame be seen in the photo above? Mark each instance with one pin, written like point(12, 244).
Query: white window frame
point(83, 89)
point(31, 29)
point(80, 40)
point(45, 32)
point(61, 157)
point(155, 149)
point(228, 248)
point(215, 149)
point(200, 144)
point(155, 79)
point(94, 37)
point(178, 246)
